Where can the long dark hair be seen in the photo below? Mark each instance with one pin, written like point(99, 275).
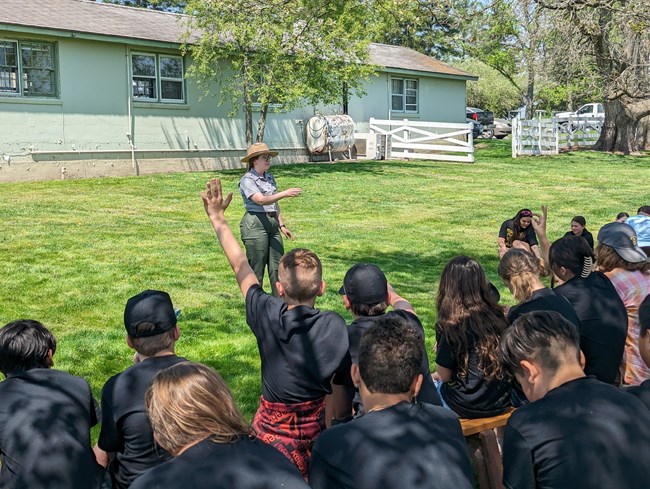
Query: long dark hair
point(572, 253)
point(516, 221)
point(466, 306)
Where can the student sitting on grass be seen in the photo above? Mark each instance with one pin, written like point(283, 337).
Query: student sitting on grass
point(577, 432)
point(602, 314)
point(641, 225)
point(518, 233)
point(522, 272)
point(397, 444)
point(301, 347)
point(126, 435)
point(468, 331)
point(45, 415)
point(578, 228)
point(627, 266)
point(643, 391)
point(195, 418)
point(367, 295)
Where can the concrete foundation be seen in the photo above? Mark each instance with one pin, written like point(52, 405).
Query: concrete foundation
point(64, 165)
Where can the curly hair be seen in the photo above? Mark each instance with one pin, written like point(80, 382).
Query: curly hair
point(390, 355)
point(467, 308)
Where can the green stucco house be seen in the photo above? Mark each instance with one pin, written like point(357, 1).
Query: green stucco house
point(90, 89)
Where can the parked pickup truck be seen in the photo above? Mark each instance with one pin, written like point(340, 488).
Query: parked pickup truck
point(485, 117)
point(587, 111)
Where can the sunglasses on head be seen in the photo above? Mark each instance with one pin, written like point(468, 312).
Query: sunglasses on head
point(526, 214)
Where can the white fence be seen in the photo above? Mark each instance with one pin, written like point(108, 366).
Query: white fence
point(549, 136)
point(440, 141)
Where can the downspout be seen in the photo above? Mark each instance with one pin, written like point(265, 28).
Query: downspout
point(129, 103)
point(390, 100)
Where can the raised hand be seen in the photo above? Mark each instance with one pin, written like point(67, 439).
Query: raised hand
point(539, 220)
point(213, 202)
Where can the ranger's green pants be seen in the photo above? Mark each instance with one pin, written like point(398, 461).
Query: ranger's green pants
point(263, 241)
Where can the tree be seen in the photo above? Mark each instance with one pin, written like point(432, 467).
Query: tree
point(265, 53)
point(165, 5)
point(435, 28)
point(492, 91)
point(511, 37)
point(616, 36)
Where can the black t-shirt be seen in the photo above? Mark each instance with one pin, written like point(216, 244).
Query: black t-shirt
point(125, 428)
point(45, 421)
point(642, 392)
point(471, 396)
point(583, 434)
point(428, 393)
point(585, 234)
point(245, 464)
point(526, 235)
point(404, 446)
point(545, 300)
point(603, 323)
point(301, 348)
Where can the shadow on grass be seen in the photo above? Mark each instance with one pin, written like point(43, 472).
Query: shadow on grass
point(314, 170)
point(413, 271)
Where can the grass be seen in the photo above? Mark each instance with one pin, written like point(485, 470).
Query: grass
point(73, 252)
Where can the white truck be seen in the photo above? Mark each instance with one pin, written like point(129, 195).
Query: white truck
point(587, 111)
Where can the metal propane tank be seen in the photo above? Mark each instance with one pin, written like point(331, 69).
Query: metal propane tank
point(329, 134)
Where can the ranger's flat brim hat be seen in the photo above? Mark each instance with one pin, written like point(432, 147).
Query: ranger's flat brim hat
point(258, 149)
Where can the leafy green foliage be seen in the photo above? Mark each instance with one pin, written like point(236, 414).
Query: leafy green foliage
point(435, 28)
point(492, 91)
point(277, 52)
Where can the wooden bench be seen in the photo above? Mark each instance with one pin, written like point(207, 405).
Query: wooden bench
point(484, 437)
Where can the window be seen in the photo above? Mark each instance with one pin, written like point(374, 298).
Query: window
point(27, 68)
point(404, 95)
point(157, 77)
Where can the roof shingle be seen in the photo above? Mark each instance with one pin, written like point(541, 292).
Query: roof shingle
point(85, 16)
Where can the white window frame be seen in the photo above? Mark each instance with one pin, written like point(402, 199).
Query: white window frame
point(21, 73)
point(158, 79)
point(406, 92)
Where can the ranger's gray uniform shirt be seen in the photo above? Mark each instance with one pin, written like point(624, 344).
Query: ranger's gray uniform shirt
point(252, 183)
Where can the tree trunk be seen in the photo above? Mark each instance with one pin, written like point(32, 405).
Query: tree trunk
point(530, 88)
point(618, 130)
point(261, 123)
point(643, 133)
point(248, 101)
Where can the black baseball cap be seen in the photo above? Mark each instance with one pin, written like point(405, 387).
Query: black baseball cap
point(622, 238)
point(365, 283)
point(150, 306)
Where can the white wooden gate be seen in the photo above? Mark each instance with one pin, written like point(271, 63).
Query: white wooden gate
point(549, 136)
point(440, 141)
point(533, 137)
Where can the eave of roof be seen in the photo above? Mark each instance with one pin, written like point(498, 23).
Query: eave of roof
point(85, 19)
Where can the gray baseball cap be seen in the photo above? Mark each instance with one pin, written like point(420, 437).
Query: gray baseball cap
point(622, 238)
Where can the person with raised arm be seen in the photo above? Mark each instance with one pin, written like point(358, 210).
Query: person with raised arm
point(301, 347)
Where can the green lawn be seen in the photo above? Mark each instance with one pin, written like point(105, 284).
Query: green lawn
point(74, 251)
